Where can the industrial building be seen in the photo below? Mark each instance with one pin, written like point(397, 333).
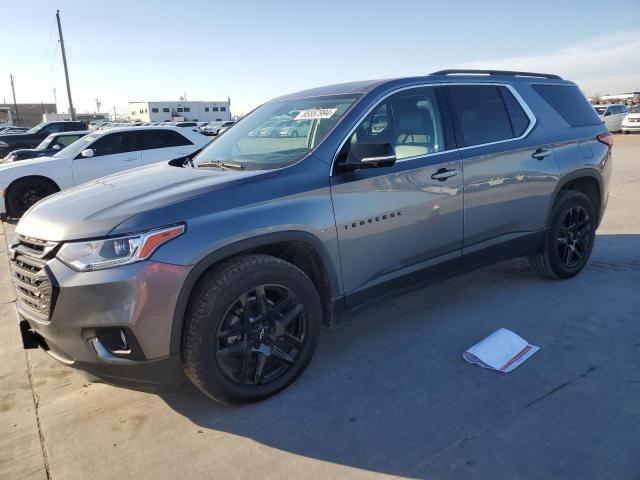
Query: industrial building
point(179, 111)
point(27, 114)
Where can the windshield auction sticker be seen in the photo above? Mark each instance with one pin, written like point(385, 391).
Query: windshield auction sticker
point(316, 113)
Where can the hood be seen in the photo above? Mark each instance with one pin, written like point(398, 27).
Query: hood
point(95, 208)
point(29, 161)
point(633, 115)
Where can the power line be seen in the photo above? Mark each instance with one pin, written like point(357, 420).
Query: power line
point(46, 49)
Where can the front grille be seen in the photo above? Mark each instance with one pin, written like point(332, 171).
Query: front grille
point(33, 286)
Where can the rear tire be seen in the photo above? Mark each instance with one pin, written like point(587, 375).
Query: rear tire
point(24, 193)
point(569, 237)
point(251, 328)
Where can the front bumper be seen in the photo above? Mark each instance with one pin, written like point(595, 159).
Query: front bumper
point(139, 299)
point(631, 128)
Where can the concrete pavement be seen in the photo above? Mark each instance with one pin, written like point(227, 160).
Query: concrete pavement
point(388, 393)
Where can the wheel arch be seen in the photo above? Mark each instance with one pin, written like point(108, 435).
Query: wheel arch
point(585, 180)
point(302, 249)
point(39, 177)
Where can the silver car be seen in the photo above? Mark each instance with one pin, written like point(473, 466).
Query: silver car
point(222, 266)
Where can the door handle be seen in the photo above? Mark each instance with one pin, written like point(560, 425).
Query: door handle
point(131, 159)
point(541, 154)
point(443, 173)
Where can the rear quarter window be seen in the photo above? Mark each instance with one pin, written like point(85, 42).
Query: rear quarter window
point(569, 102)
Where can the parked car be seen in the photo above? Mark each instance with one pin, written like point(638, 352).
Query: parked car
point(612, 115)
point(32, 137)
point(224, 266)
point(295, 128)
point(631, 123)
point(213, 128)
point(93, 156)
point(10, 129)
point(49, 146)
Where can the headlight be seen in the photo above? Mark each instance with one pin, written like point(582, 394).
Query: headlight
point(110, 252)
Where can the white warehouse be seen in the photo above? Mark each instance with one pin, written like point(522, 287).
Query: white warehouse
point(179, 111)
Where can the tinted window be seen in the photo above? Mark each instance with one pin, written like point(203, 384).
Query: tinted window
point(481, 114)
point(114, 143)
point(570, 104)
point(519, 119)
point(162, 139)
point(53, 128)
point(410, 121)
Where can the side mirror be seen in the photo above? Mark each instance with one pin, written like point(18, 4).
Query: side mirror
point(608, 113)
point(88, 153)
point(56, 147)
point(369, 155)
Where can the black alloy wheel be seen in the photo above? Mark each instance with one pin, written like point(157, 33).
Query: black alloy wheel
point(261, 335)
point(574, 236)
point(27, 192)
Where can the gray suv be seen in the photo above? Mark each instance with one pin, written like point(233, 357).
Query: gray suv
point(225, 265)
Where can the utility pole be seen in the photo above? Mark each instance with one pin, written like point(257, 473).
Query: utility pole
point(114, 113)
point(55, 99)
point(98, 105)
point(66, 71)
point(15, 105)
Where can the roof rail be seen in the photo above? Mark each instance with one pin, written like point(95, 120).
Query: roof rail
point(497, 72)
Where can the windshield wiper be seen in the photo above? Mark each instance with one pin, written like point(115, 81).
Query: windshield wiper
point(222, 165)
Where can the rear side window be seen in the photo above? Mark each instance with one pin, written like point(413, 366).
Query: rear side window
point(570, 104)
point(519, 119)
point(481, 114)
point(162, 139)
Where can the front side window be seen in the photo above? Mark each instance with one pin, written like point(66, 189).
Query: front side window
point(258, 142)
point(409, 121)
point(481, 114)
point(114, 143)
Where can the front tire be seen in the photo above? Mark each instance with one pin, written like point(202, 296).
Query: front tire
point(569, 237)
point(24, 193)
point(252, 326)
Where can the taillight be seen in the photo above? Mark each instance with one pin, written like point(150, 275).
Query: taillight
point(606, 138)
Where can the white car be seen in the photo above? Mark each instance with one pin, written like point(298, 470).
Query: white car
point(612, 115)
point(631, 122)
point(93, 156)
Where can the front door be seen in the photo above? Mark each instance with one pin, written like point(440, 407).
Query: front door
point(112, 153)
point(393, 220)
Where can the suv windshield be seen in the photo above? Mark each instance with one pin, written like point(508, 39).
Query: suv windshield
point(258, 143)
point(76, 147)
point(35, 129)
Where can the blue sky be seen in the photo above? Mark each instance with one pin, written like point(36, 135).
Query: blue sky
point(121, 51)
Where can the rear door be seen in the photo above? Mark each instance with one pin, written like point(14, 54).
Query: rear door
point(509, 168)
point(163, 144)
point(112, 153)
point(399, 219)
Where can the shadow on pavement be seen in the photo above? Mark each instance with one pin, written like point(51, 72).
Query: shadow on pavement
point(389, 392)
